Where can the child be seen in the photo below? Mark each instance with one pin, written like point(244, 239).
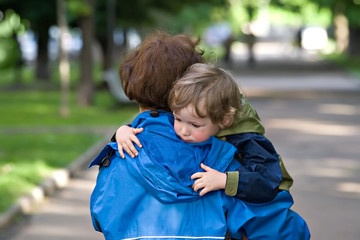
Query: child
point(189, 89)
point(260, 171)
point(205, 100)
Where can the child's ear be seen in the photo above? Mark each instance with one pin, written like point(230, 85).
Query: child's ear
point(227, 120)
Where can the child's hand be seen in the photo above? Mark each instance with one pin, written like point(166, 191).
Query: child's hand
point(210, 180)
point(125, 136)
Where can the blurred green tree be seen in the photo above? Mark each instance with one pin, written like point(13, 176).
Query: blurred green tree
point(345, 20)
point(98, 18)
point(41, 15)
point(138, 14)
point(346, 23)
point(84, 11)
point(11, 25)
point(174, 16)
point(64, 65)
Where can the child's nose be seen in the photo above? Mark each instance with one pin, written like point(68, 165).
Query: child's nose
point(185, 131)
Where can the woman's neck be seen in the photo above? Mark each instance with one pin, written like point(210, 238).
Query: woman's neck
point(144, 109)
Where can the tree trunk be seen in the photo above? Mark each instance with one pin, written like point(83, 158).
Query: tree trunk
point(110, 23)
point(354, 46)
point(42, 66)
point(124, 47)
point(250, 38)
point(341, 32)
point(85, 96)
point(64, 66)
point(18, 63)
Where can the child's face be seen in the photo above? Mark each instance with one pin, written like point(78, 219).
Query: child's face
point(191, 128)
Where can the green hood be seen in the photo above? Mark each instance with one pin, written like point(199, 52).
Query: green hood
point(246, 121)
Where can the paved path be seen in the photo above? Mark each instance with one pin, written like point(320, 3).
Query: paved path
point(64, 216)
point(312, 117)
point(318, 136)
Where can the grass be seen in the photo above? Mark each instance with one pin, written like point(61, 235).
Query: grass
point(26, 74)
point(351, 64)
point(35, 140)
point(41, 108)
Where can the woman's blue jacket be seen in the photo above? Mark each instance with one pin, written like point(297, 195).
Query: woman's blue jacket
point(150, 196)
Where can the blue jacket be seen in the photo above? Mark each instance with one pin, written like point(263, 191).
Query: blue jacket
point(150, 196)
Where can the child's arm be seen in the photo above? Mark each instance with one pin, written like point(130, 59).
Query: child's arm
point(256, 181)
point(259, 177)
point(126, 137)
point(208, 181)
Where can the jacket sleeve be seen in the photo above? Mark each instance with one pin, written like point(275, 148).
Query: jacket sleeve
point(260, 175)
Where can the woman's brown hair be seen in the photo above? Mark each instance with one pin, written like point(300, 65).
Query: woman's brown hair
point(148, 73)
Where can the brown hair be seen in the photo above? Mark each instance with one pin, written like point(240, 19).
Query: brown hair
point(212, 91)
point(148, 73)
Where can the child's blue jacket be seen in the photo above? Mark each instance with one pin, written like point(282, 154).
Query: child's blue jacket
point(150, 196)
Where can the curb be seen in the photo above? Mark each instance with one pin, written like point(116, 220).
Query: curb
point(58, 180)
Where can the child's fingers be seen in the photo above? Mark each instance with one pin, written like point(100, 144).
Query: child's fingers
point(132, 148)
point(136, 141)
point(138, 130)
point(206, 168)
point(126, 148)
point(129, 150)
point(204, 191)
point(196, 175)
point(121, 152)
point(197, 185)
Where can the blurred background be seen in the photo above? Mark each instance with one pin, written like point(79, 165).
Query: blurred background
point(60, 93)
point(36, 37)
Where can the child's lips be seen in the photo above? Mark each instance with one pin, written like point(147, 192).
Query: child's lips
point(185, 140)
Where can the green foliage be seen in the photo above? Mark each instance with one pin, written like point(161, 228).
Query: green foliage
point(353, 13)
point(9, 53)
point(290, 5)
point(10, 26)
point(303, 16)
point(237, 16)
point(78, 8)
point(323, 15)
point(192, 19)
point(350, 8)
point(174, 16)
point(213, 54)
point(39, 13)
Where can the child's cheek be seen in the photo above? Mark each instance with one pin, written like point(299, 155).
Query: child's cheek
point(176, 128)
point(199, 137)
